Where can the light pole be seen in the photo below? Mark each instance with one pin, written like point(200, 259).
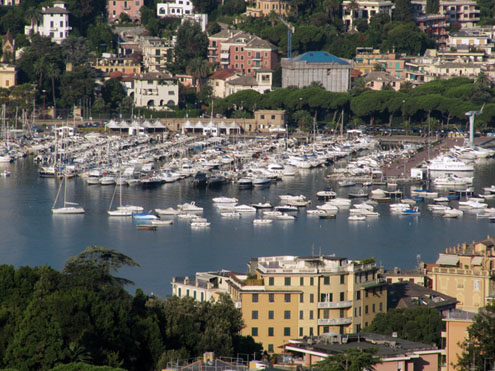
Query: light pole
point(403, 113)
point(44, 103)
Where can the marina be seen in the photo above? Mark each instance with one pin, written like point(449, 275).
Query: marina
point(299, 210)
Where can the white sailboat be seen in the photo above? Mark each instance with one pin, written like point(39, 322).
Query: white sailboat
point(67, 208)
point(120, 211)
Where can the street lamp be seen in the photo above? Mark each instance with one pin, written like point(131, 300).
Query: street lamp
point(44, 103)
point(403, 113)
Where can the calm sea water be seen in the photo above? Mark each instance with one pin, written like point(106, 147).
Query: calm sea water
point(31, 235)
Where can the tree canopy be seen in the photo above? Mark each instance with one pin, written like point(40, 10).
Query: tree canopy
point(352, 359)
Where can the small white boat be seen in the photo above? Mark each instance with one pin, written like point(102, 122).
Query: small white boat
point(119, 212)
point(356, 218)
point(187, 216)
point(259, 182)
point(290, 197)
point(272, 213)
point(328, 208)
point(244, 209)
point(131, 208)
point(225, 200)
point(260, 205)
point(161, 222)
point(230, 215)
point(326, 194)
point(200, 224)
point(198, 220)
point(441, 199)
point(168, 211)
point(412, 212)
point(472, 204)
point(144, 216)
point(262, 221)
point(107, 180)
point(452, 213)
point(286, 208)
point(363, 205)
point(285, 216)
point(316, 212)
point(346, 183)
point(226, 207)
point(190, 207)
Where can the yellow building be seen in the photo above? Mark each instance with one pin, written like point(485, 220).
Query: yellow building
point(456, 325)
point(263, 8)
point(127, 66)
point(287, 297)
point(8, 75)
point(467, 273)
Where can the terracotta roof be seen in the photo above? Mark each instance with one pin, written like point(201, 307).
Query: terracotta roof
point(221, 75)
point(380, 76)
point(154, 76)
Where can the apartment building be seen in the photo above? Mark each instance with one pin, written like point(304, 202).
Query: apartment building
point(456, 325)
point(155, 90)
point(285, 297)
point(263, 8)
point(241, 52)
point(471, 39)
point(54, 23)
point(332, 72)
point(157, 52)
point(130, 7)
point(178, 8)
point(378, 80)
point(466, 272)
point(112, 63)
point(260, 82)
point(435, 26)
point(464, 12)
point(365, 9)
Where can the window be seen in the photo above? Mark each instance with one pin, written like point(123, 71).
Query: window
point(270, 348)
point(249, 54)
point(194, 294)
point(301, 298)
point(373, 308)
point(301, 331)
point(342, 279)
point(381, 307)
point(187, 292)
point(325, 329)
point(254, 298)
point(271, 281)
point(286, 331)
point(311, 281)
point(326, 280)
point(286, 279)
point(358, 295)
point(476, 284)
point(342, 295)
point(254, 314)
point(61, 35)
point(202, 296)
point(271, 298)
point(270, 331)
point(114, 3)
point(342, 313)
point(311, 298)
point(310, 331)
point(365, 309)
point(301, 279)
point(137, 3)
point(301, 314)
point(271, 314)
point(51, 24)
point(179, 292)
point(273, 118)
point(366, 293)
point(61, 23)
point(286, 314)
point(287, 298)
point(171, 92)
point(310, 314)
point(262, 117)
point(254, 331)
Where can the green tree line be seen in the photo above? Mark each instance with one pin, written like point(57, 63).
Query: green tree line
point(83, 315)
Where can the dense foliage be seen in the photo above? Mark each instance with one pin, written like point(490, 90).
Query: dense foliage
point(479, 347)
point(420, 324)
point(84, 315)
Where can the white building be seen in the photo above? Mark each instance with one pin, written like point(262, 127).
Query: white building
point(261, 82)
point(365, 9)
point(201, 19)
point(174, 9)
point(54, 23)
point(155, 90)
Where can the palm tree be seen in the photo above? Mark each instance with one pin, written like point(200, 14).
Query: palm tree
point(331, 7)
point(33, 15)
point(39, 69)
point(199, 69)
point(483, 80)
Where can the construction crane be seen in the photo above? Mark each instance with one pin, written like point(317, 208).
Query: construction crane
point(290, 30)
point(471, 115)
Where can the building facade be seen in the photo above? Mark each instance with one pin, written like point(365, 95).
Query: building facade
point(456, 325)
point(174, 9)
point(263, 8)
point(157, 53)
point(129, 7)
point(365, 9)
point(8, 75)
point(54, 23)
point(332, 72)
point(466, 272)
point(155, 90)
point(112, 63)
point(261, 82)
point(464, 12)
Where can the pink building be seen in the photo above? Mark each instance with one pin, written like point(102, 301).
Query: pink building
point(241, 52)
point(130, 7)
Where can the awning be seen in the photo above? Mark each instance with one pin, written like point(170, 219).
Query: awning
point(448, 260)
point(477, 260)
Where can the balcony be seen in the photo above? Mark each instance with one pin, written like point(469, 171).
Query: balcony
point(335, 321)
point(335, 304)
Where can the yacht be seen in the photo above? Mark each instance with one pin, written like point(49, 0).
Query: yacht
point(144, 216)
point(244, 209)
point(190, 207)
point(225, 200)
point(449, 164)
point(68, 207)
point(245, 182)
point(266, 205)
point(168, 211)
point(328, 208)
point(260, 182)
point(262, 221)
point(286, 216)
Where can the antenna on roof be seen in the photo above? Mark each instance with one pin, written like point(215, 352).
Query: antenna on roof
point(313, 249)
point(320, 251)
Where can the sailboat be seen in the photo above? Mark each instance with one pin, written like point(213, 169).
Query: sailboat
point(120, 211)
point(66, 209)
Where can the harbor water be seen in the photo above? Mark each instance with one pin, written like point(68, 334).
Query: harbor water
point(31, 235)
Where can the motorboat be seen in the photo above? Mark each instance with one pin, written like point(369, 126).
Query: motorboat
point(68, 207)
point(289, 197)
point(286, 208)
point(146, 227)
point(225, 200)
point(413, 212)
point(107, 180)
point(328, 208)
point(346, 183)
point(260, 182)
point(360, 194)
point(198, 219)
point(298, 203)
point(262, 221)
point(226, 207)
point(230, 215)
point(271, 213)
point(260, 205)
point(161, 222)
point(190, 207)
point(131, 208)
point(200, 224)
point(472, 204)
point(326, 194)
point(187, 216)
point(285, 216)
point(356, 218)
point(364, 205)
point(144, 216)
point(316, 212)
point(245, 182)
point(244, 209)
point(168, 211)
point(452, 213)
point(341, 203)
point(449, 164)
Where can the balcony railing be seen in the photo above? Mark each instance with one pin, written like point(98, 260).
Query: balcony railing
point(334, 304)
point(335, 321)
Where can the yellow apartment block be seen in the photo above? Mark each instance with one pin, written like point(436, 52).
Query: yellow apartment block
point(288, 297)
point(466, 272)
point(456, 325)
